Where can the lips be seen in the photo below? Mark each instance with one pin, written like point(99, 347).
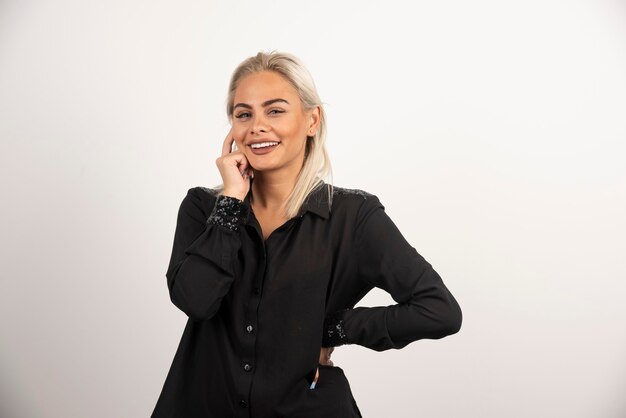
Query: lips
point(264, 150)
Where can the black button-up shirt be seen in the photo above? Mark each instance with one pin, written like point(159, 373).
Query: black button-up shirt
point(260, 310)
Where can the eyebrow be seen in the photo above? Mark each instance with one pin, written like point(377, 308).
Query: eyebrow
point(264, 104)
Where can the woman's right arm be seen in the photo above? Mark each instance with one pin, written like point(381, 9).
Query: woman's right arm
point(201, 268)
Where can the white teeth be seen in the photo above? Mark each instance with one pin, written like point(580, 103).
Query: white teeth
point(263, 144)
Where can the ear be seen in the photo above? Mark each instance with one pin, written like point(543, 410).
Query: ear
point(314, 121)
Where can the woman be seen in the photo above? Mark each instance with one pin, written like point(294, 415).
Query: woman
point(269, 265)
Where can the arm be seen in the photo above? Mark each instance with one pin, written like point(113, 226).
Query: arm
point(201, 267)
point(425, 307)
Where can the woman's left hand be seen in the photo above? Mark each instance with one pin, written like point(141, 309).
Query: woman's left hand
point(325, 353)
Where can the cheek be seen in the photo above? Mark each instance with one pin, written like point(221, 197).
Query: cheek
point(239, 134)
point(292, 128)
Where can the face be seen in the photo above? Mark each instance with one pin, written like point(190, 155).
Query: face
point(267, 109)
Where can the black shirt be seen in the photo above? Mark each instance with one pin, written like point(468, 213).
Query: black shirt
point(260, 310)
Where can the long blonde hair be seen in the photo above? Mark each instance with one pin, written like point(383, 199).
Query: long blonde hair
point(316, 166)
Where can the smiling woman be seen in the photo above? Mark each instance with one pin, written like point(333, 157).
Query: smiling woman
point(269, 265)
point(281, 124)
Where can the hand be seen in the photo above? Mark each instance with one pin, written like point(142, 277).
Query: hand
point(325, 353)
point(234, 169)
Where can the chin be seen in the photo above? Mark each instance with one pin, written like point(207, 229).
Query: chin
point(258, 165)
point(260, 162)
point(259, 168)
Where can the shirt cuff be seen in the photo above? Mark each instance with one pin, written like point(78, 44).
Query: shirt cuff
point(229, 212)
point(334, 331)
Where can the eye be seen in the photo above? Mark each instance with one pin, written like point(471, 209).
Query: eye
point(242, 114)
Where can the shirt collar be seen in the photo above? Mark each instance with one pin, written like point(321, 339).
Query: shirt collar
point(316, 201)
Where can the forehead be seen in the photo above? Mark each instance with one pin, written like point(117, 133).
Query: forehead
point(256, 88)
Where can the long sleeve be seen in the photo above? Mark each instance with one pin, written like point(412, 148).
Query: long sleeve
point(425, 307)
point(201, 267)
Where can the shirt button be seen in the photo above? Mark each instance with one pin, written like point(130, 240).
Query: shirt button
point(256, 290)
point(243, 403)
point(247, 367)
point(249, 328)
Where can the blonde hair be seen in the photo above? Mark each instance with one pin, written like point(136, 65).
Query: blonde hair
point(316, 166)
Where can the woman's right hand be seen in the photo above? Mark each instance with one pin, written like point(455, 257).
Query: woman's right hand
point(234, 169)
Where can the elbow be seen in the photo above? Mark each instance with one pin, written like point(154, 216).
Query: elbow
point(455, 320)
point(194, 310)
point(452, 319)
point(201, 315)
point(191, 291)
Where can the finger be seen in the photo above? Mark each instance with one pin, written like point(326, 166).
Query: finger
point(227, 146)
point(243, 168)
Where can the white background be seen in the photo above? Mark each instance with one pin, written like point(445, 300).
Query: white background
point(492, 131)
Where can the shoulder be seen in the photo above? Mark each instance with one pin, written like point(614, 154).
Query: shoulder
point(358, 194)
point(353, 200)
point(199, 199)
point(203, 192)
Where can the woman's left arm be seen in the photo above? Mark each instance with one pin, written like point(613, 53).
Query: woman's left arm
point(425, 307)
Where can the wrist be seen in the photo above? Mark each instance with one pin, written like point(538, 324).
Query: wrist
point(229, 212)
point(234, 194)
point(334, 331)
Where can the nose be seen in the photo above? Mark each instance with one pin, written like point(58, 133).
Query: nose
point(258, 125)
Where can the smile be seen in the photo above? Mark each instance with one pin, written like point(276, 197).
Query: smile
point(263, 147)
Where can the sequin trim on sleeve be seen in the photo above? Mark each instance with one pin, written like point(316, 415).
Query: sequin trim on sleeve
point(334, 332)
point(229, 212)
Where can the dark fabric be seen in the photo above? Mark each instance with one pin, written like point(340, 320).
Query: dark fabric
point(260, 310)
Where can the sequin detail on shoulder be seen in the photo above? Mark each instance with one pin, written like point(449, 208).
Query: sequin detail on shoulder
point(229, 212)
point(343, 190)
point(334, 332)
point(208, 190)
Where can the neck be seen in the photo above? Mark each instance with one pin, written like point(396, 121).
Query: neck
point(270, 190)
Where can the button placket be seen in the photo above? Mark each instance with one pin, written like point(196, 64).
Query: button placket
point(249, 321)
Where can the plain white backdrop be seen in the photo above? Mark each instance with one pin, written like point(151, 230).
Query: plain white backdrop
point(493, 132)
